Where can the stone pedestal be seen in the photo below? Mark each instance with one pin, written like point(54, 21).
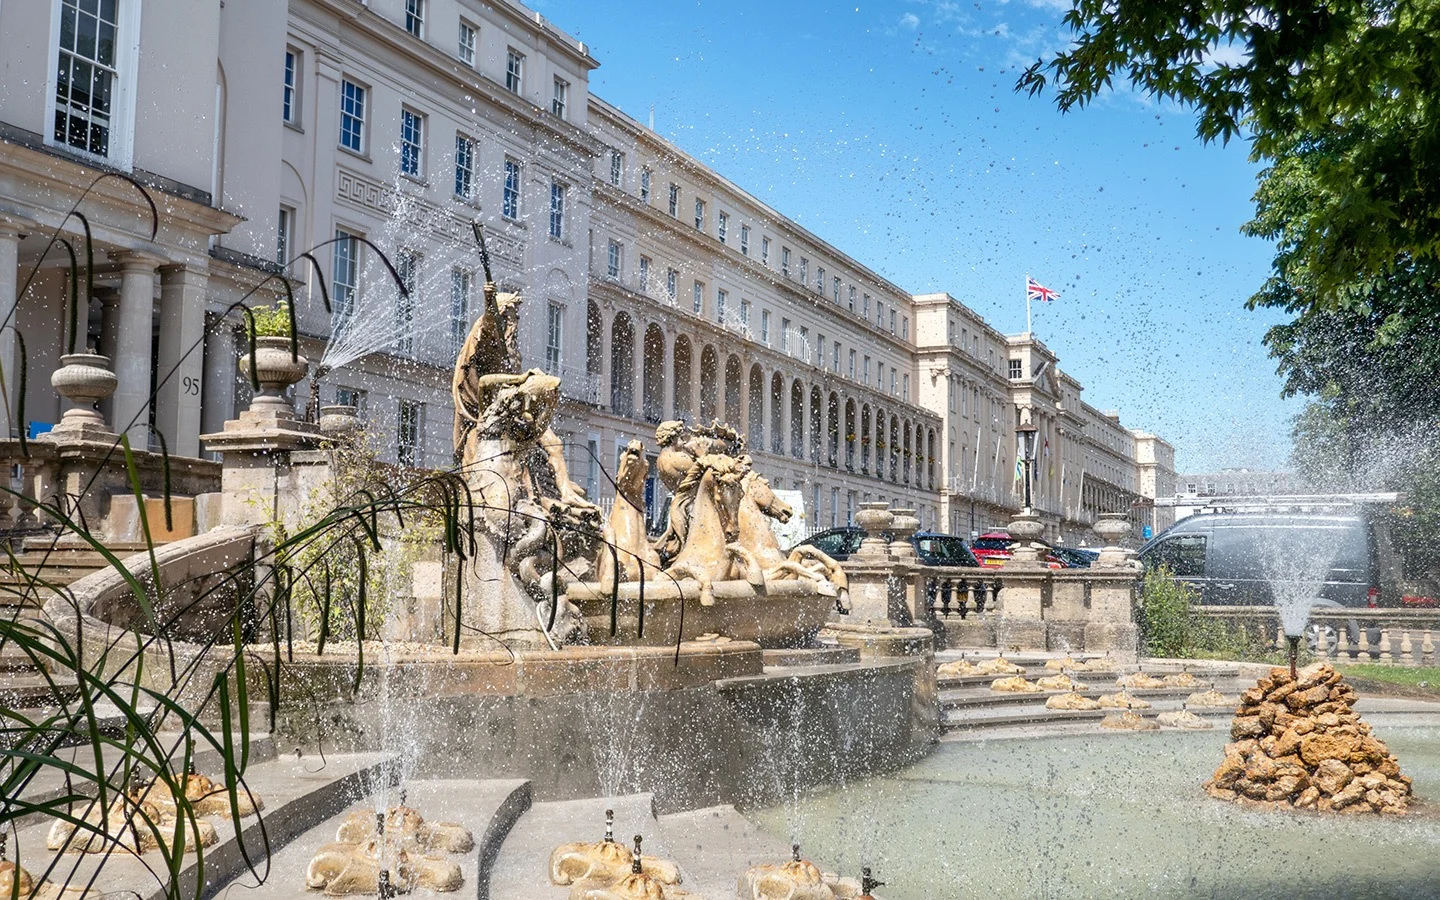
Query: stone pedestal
point(1021, 624)
point(877, 592)
point(85, 379)
point(1069, 609)
point(1111, 626)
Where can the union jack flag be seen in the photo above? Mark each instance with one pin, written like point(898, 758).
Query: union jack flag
point(1034, 290)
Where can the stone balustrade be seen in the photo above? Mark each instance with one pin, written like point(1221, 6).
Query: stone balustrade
point(1402, 637)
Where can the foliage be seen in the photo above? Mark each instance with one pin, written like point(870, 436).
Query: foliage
point(1352, 87)
point(1418, 676)
point(271, 321)
point(1172, 628)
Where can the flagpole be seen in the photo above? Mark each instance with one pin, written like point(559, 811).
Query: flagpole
point(1027, 305)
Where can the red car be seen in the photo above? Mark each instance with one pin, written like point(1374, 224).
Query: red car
point(993, 549)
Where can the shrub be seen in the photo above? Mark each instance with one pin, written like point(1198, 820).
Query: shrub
point(271, 321)
point(1171, 626)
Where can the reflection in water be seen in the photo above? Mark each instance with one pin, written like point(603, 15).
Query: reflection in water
point(1105, 816)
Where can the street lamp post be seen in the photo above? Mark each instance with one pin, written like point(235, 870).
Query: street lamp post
point(1025, 431)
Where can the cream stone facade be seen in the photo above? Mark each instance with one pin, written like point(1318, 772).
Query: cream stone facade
point(653, 286)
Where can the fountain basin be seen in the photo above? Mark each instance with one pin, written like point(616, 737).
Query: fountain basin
point(788, 614)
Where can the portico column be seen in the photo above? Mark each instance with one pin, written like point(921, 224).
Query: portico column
point(9, 297)
point(217, 394)
point(132, 361)
point(181, 364)
point(697, 352)
point(667, 375)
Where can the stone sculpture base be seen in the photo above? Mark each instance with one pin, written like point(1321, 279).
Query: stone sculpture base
point(789, 614)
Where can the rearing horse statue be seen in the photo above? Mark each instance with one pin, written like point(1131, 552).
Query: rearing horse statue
point(757, 507)
point(712, 551)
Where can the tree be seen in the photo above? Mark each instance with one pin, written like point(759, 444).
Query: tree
point(1352, 86)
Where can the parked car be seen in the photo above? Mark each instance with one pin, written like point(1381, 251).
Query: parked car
point(1075, 557)
point(932, 548)
point(993, 550)
point(1246, 558)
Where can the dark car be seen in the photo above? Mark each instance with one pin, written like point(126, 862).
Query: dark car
point(1253, 559)
point(932, 548)
point(1075, 557)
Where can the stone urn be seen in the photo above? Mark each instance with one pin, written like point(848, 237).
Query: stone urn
point(84, 379)
point(340, 423)
point(1025, 529)
point(275, 371)
point(903, 525)
point(1113, 527)
point(875, 518)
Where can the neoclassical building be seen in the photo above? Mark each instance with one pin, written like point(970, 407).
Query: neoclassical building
point(374, 135)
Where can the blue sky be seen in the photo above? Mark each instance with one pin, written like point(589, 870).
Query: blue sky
point(893, 131)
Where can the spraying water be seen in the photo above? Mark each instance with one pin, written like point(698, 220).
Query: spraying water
point(1297, 566)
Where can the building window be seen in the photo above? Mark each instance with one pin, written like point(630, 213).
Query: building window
point(852, 298)
point(835, 363)
point(617, 167)
point(510, 202)
point(557, 210)
point(464, 167)
point(785, 261)
point(554, 334)
point(352, 116)
point(852, 364)
point(905, 328)
point(866, 313)
point(644, 274)
point(672, 278)
point(414, 16)
point(514, 70)
point(466, 51)
point(905, 390)
point(1017, 369)
point(892, 320)
point(699, 298)
point(412, 142)
point(720, 298)
point(866, 372)
point(820, 350)
point(675, 200)
point(894, 387)
point(348, 396)
point(744, 312)
point(560, 97)
point(344, 278)
point(292, 72)
point(804, 271)
point(744, 240)
point(407, 433)
point(284, 224)
point(699, 214)
point(835, 293)
point(460, 281)
point(879, 314)
point(765, 251)
point(722, 226)
point(879, 375)
point(784, 335)
point(407, 265)
point(88, 76)
point(765, 327)
point(820, 280)
point(645, 185)
point(612, 259)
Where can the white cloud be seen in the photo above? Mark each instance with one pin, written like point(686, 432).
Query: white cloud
point(910, 20)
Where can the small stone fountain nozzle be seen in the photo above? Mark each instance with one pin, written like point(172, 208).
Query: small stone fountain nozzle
point(635, 859)
point(386, 892)
point(795, 852)
point(380, 826)
point(868, 883)
point(609, 826)
point(402, 796)
point(1294, 640)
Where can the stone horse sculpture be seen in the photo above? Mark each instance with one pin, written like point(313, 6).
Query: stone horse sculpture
point(711, 551)
point(626, 530)
point(758, 506)
point(680, 446)
point(539, 528)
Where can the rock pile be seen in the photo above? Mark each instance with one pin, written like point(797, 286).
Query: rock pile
point(1298, 742)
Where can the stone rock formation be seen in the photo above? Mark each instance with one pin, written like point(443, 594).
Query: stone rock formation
point(136, 827)
point(1182, 718)
point(16, 882)
point(1060, 683)
point(1015, 684)
point(1071, 701)
point(1146, 681)
point(1069, 663)
point(413, 851)
point(794, 879)
point(962, 667)
point(1211, 697)
point(1128, 721)
point(1122, 700)
point(1297, 742)
point(207, 797)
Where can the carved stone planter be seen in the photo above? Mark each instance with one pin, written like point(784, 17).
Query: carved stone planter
point(1024, 530)
point(876, 518)
point(903, 525)
point(275, 371)
point(84, 379)
point(339, 423)
point(1113, 527)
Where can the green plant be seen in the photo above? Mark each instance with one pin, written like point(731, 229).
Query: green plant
point(1171, 626)
point(270, 321)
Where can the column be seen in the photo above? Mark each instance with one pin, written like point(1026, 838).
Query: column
point(181, 364)
point(132, 362)
point(667, 374)
point(9, 299)
point(217, 393)
point(697, 352)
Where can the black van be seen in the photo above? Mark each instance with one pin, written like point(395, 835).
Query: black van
point(1249, 558)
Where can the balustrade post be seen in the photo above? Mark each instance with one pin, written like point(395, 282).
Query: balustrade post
point(1407, 649)
point(1427, 649)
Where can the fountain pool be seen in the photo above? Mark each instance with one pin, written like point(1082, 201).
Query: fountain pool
point(1110, 816)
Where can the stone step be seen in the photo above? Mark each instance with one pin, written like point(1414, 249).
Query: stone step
point(32, 690)
point(976, 699)
point(1038, 714)
point(298, 794)
point(489, 808)
point(522, 868)
point(714, 846)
